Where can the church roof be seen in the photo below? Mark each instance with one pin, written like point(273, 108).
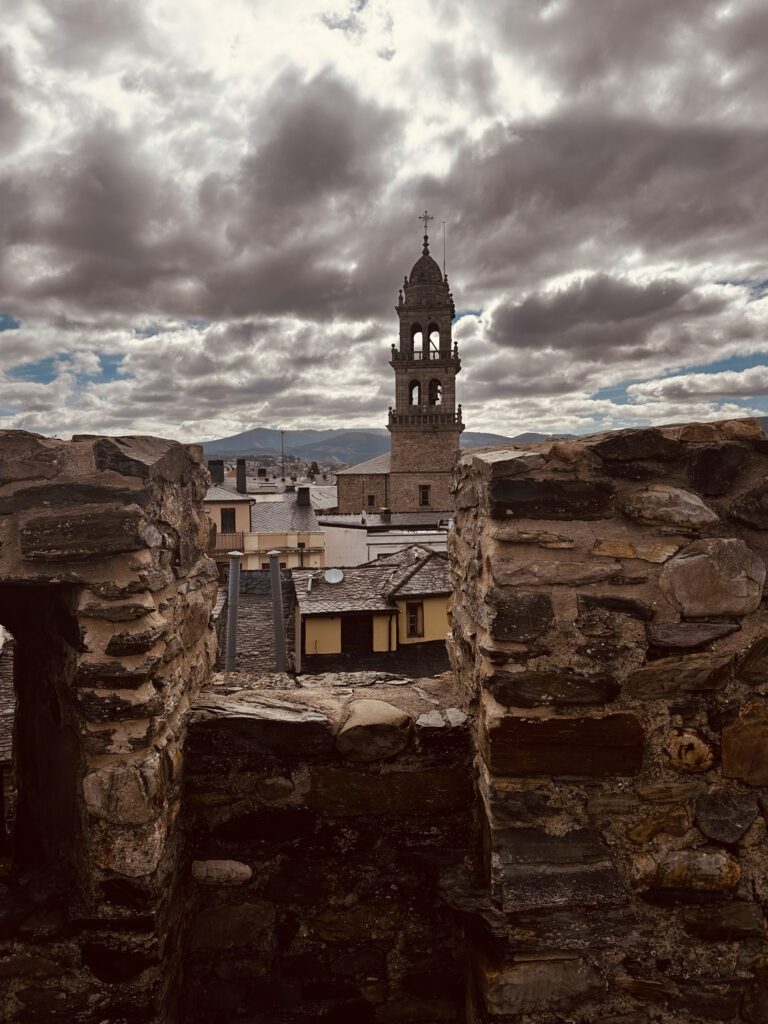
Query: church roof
point(379, 464)
point(425, 270)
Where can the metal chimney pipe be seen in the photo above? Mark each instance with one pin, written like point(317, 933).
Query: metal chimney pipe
point(233, 600)
point(277, 610)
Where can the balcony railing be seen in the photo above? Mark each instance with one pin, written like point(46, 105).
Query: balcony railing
point(433, 355)
point(421, 415)
point(226, 542)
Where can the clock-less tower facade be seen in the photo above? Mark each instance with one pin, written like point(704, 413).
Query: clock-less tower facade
point(425, 422)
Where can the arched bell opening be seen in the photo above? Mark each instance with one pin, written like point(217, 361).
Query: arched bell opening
point(414, 393)
point(435, 392)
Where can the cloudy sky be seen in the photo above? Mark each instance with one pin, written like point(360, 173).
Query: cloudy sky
point(207, 208)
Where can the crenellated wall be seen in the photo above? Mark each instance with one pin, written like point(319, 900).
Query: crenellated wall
point(610, 631)
point(107, 589)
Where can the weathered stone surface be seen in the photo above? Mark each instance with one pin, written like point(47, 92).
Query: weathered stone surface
point(374, 730)
point(537, 985)
point(81, 535)
point(509, 534)
point(233, 926)
point(704, 870)
point(669, 677)
point(551, 499)
point(752, 508)
point(53, 495)
point(27, 456)
point(138, 642)
point(116, 673)
point(646, 550)
point(665, 505)
point(754, 1007)
point(688, 751)
point(752, 668)
point(221, 872)
point(351, 793)
point(671, 792)
point(688, 635)
point(745, 745)
point(628, 445)
point(715, 577)
point(553, 574)
point(506, 462)
point(725, 815)
point(121, 610)
point(559, 687)
point(127, 794)
point(725, 922)
point(257, 722)
point(542, 743)
point(520, 616)
point(715, 469)
point(140, 456)
point(671, 821)
point(613, 603)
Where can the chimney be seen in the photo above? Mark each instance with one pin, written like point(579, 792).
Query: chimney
point(302, 496)
point(240, 485)
point(216, 469)
point(386, 515)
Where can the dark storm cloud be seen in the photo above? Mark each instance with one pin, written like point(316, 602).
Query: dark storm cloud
point(12, 118)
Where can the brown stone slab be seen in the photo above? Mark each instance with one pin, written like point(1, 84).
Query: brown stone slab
point(551, 499)
point(82, 535)
point(688, 635)
point(353, 793)
point(542, 743)
point(669, 677)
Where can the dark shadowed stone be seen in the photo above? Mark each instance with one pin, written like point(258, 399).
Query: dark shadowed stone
point(702, 999)
point(525, 805)
point(551, 499)
point(632, 470)
point(115, 965)
point(602, 650)
point(233, 927)
point(752, 508)
point(520, 615)
point(84, 534)
point(138, 456)
point(70, 494)
point(547, 744)
point(714, 470)
point(560, 687)
point(98, 707)
point(352, 793)
point(115, 674)
point(753, 667)
point(268, 825)
point(688, 635)
point(626, 605)
point(725, 922)
point(537, 986)
point(725, 815)
point(626, 445)
point(535, 846)
point(27, 456)
point(258, 723)
point(745, 745)
point(669, 677)
point(754, 1007)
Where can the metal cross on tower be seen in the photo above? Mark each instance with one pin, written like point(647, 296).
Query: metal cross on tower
point(426, 217)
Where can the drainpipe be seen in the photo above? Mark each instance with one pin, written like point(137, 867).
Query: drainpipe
point(233, 599)
point(277, 610)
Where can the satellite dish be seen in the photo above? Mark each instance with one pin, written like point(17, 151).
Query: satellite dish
point(333, 576)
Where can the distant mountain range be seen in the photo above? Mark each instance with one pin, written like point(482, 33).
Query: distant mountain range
point(339, 445)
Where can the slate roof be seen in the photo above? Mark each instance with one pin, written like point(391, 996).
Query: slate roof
point(375, 586)
point(323, 497)
point(284, 516)
point(379, 464)
point(218, 493)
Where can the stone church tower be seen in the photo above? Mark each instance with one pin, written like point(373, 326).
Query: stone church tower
point(425, 422)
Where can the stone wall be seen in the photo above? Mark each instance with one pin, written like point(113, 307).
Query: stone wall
point(353, 491)
point(320, 822)
point(106, 587)
point(610, 629)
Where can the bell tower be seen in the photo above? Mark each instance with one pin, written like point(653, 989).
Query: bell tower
point(425, 422)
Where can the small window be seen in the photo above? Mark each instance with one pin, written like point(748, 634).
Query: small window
point(371, 500)
point(301, 544)
point(414, 611)
point(424, 495)
point(227, 520)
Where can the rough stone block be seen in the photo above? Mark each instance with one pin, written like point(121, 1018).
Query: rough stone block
point(258, 723)
point(375, 730)
point(221, 872)
point(615, 603)
point(537, 986)
point(543, 743)
point(234, 926)
point(715, 577)
point(340, 792)
point(745, 745)
point(629, 445)
point(725, 922)
point(551, 499)
point(558, 687)
point(80, 535)
point(688, 635)
point(668, 506)
point(725, 815)
point(752, 508)
point(705, 870)
point(714, 469)
point(669, 677)
point(518, 615)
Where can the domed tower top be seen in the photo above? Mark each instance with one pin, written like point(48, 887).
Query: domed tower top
point(427, 286)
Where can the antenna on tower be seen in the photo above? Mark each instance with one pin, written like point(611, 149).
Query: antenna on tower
point(443, 248)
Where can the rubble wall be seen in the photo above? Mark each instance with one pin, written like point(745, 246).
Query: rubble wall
point(321, 823)
point(610, 630)
point(107, 589)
